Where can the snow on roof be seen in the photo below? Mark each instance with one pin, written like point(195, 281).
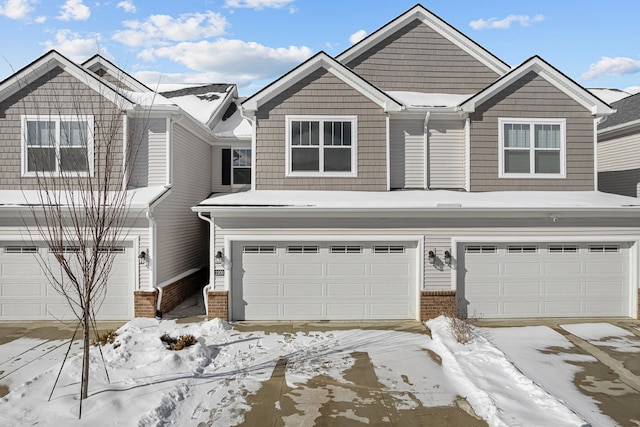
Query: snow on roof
point(200, 101)
point(420, 199)
point(609, 95)
point(138, 198)
point(234, 126)
point(420, 100)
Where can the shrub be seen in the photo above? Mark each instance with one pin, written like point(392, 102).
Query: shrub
point(109, 337)
point(178, 343)
point(460, 325)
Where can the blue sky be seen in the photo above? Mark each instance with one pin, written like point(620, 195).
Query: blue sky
point(252, 42)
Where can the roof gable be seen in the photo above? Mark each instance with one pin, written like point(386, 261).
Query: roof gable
point(48, 62)
point(627, 115)
point(536, 64)
point(435, 23)
point(97, 61)
point(322, 61)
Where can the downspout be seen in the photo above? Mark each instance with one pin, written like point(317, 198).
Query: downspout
point(427, 169)
point(251, 117)
point(212, 260)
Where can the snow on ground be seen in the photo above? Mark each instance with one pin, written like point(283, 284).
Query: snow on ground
point(606, 335)
point(506, 382)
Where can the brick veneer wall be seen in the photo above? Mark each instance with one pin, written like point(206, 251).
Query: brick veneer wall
point(145, 301)
point(436, 303)
point(218, 303)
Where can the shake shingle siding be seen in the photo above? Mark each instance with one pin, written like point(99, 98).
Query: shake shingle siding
point(321, 93)
point(416, 58)
point(531, 97)
point(56, 93)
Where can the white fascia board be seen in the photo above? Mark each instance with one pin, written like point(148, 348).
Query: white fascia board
point(438, 25)
point(99, 62)
point(49, 61)
point(322, 60)
point(628, 126)
point(438, 212)
point(561, 82)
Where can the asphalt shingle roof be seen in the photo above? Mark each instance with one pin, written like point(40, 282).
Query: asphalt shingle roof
point(627, 110)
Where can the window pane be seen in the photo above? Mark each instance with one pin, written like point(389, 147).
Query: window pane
point(547, 162)
point(516, 161)
point(315, 133)
point(74, 159)
point(516, 135)
point(305, 159)
point(547, 136)
point(41, 159)
point(241, 157)
point(73, 134)
point(328, 133)
point(337, 159)
point(41, 133)
point(295, 133)
point(242, 175)
point(346, 133)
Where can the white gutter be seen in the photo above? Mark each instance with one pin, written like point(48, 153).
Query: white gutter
point(212, 260)
point(251, 118)
point(427, 169)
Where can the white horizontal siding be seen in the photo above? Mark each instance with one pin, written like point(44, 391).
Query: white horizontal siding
point(619, 153)
point(446, 154)
point(157, 152)
point(407, 159)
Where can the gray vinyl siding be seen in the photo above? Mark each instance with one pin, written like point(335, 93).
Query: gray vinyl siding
point(446, 154)
point(182, 237)
point(407, 153)
point(619, 153)
point(149, 144)
point(55, 93)
point(437, 235)
point(114, 80)
point(531, 97)
point(416, 58)
point(624, 182)
point(320, 93)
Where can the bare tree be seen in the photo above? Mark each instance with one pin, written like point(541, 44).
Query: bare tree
point(79, 146)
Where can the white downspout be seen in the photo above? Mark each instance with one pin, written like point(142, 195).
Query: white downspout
point(152, 255)
point(467, 160)
point(388, 152)
point(212, 259)
point(427, 169)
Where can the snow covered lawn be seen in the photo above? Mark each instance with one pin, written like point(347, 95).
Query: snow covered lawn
point(508, 375)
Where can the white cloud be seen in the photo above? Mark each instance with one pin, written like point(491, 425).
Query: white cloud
point(259, 4)
point(357, 36)
point(503, 24)
point(40, 20)
point(607, 66)
point(75, 47)
point(16, 9)
point(232, 60)
point(127, 6)
point(74, 10)
point(158, 29)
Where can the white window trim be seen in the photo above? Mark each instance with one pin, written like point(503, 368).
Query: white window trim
point(532, 122)
point(354, 146)
point(57, 119)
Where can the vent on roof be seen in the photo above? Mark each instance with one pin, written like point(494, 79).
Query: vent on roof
point(232, 109)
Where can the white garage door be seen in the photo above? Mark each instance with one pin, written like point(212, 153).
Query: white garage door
point(26, 294)
point(331, 281)
point(545, 280)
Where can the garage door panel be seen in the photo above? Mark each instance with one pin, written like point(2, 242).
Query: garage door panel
point(522, 288)
point(302, 269)
point(346, 289)
point(522, 268)
point(21, 290)
point(575, 279)
point(301, 289)
point(354, 269)
point(21, 309)
point(323, 280)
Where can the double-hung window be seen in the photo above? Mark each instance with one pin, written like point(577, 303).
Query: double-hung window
point(321, 145)
point(532, 148)
point(57, 145)
point(236, 166)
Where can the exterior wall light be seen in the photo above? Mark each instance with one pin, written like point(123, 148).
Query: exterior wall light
point(142, 258)
point(447, 258)
point(218, 257)
point(432, 256)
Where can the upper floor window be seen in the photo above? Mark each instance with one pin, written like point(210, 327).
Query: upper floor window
point(321, 145)
point(236, 166)
point(56, 145)
point(532, 148)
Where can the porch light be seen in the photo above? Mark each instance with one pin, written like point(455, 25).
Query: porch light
point(142, 258)
point(432, 256)
point(218, 257)
point(447, 258)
